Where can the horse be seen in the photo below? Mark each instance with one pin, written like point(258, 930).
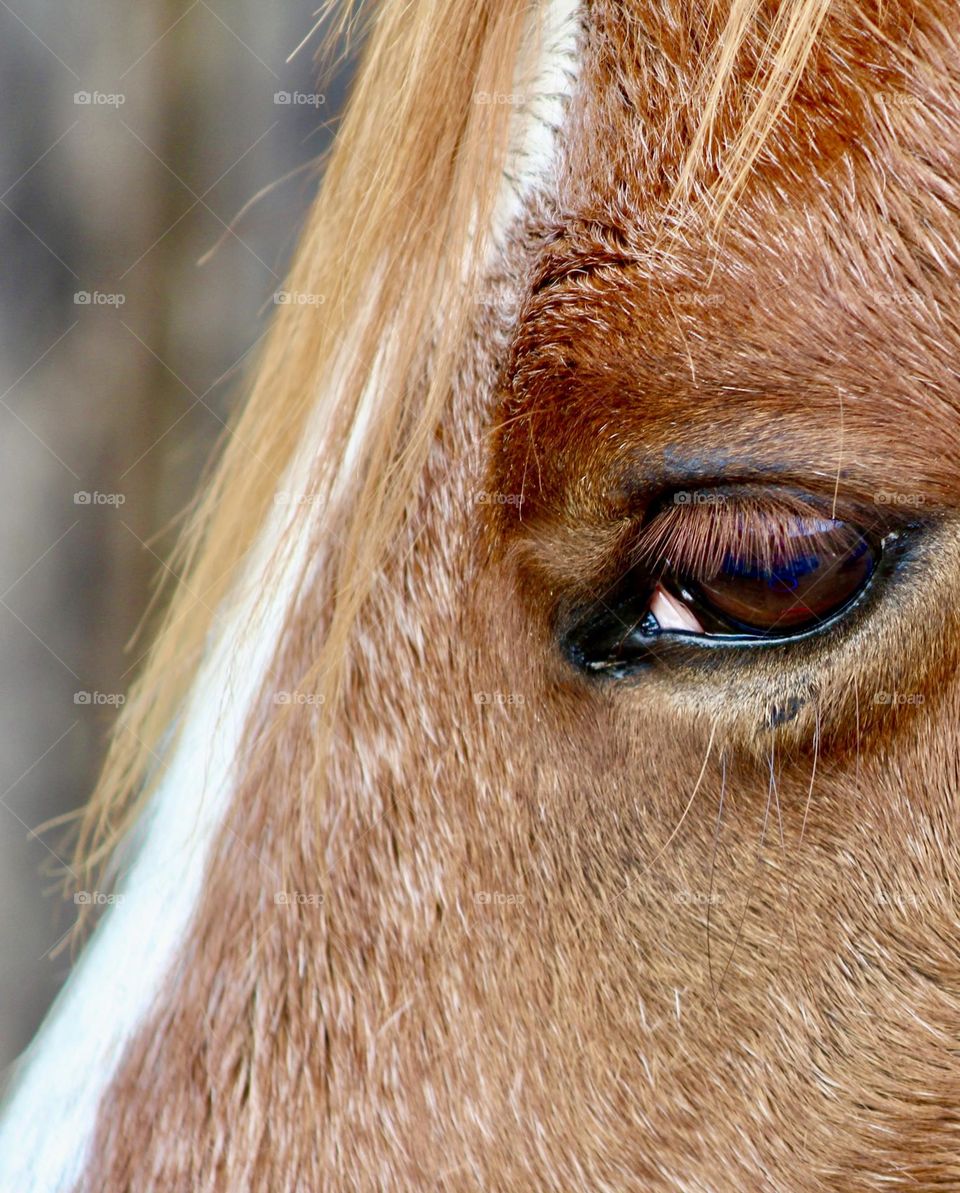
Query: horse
point(544, 775)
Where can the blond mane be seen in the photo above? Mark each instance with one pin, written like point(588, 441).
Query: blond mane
point(396, 235)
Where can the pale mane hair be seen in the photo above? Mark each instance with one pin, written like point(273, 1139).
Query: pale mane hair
point(396, 242)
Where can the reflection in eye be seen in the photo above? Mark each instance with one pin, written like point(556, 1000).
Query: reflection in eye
point(755, 564)
point(795, 594)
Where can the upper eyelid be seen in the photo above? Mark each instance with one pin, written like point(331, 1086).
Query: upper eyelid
point(664, 535)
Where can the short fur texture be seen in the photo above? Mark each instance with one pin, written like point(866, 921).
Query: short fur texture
point(624, 936)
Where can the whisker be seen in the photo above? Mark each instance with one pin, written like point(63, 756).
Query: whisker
point(683, 816)
point(836, 486)
point(856, 772)
point(776, 794)
point(791, 905)
point(713, 866)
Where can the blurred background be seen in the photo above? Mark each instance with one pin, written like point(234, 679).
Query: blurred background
point(138, 274)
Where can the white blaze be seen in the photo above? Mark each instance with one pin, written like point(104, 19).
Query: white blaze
point(47, 1126)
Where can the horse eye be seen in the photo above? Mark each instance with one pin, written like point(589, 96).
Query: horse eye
point(740, 569)
point(807, 576)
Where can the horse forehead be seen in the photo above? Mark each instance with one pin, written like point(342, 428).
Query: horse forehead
point(822, 307)
point(646, 66)
point(798, 319)
point(873, 110)
point(618, 370)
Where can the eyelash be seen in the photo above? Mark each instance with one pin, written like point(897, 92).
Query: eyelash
point(711, 529)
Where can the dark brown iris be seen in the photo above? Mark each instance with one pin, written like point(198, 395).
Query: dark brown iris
point(802, 583)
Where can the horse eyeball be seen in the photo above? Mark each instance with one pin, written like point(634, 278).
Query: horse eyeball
point(822, 571)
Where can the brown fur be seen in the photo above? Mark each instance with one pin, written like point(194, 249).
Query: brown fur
point(717, 956)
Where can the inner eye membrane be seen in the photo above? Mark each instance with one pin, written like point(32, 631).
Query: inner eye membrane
point(758, 564)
